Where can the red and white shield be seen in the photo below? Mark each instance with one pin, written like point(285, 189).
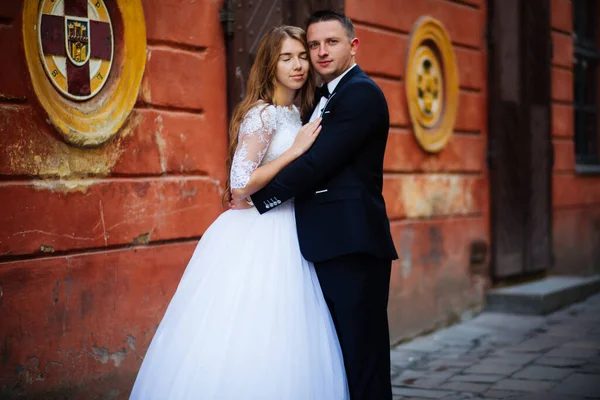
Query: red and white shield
point(76, 45)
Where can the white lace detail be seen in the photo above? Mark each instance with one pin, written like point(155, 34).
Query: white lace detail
point(264, 136)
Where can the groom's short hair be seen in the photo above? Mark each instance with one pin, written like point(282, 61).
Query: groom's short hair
point(330, 15)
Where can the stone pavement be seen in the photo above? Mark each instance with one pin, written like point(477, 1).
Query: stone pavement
point(503, 356)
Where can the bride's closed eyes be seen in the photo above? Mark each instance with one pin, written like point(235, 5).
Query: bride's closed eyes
point(288, 56)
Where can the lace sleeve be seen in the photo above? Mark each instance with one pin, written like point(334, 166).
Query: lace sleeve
point(256, 131)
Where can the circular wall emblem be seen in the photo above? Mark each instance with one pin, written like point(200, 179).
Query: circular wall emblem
point(76, 45)
point(431, 84)
point(86, 59)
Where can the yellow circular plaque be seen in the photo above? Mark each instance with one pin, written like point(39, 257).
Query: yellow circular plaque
point(431, 84)
point(86, 59)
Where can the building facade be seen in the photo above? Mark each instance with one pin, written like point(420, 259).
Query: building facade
point(109, 179)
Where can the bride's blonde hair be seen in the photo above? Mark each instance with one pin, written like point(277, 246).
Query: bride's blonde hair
point(261, 85)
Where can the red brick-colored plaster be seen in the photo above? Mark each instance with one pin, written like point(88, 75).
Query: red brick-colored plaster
point(381, 51)
point(170, 142)
point(464, 153)
point(431, 282)
point(471, 75)
point(68, 321)
point(13, 84)
point(83, 214)
point(184, 79)
point(562, 120)
point(79, 308)
point(154, 142)
point(564, 155)
point(561, 15)
point(464, 24)
point(562, 85)
point(11, 10)
point(562, 50)
point(576, 238)
point(576, 227)
point(471, 114)
point(396, 98)
point(193, 24)
point(434, 195)
point(572, 191)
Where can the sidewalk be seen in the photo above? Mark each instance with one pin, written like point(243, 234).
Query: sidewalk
point(501, 356)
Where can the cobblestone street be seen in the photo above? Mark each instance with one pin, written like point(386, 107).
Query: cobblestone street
point(502, 356)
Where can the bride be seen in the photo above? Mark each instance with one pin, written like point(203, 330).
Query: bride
point(248, 319)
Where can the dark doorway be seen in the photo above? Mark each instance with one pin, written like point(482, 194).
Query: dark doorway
point(520, 146)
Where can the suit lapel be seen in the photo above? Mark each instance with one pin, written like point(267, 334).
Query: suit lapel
point(351, 74)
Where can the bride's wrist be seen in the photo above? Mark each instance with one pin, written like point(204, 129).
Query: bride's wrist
point(295, 152)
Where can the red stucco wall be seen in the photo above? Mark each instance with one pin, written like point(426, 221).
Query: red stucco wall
point(93, 241)
point(438, 204)
point(576, 198)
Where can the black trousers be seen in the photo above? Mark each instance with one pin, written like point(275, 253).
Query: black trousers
point(356, 288)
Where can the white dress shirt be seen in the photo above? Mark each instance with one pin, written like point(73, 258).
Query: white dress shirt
point(323, 101)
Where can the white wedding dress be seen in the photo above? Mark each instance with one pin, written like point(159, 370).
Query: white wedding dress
point(248, 319)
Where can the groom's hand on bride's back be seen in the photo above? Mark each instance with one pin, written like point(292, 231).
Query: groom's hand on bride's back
point(241, 204)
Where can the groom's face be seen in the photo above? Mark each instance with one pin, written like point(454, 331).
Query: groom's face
point(331, 50)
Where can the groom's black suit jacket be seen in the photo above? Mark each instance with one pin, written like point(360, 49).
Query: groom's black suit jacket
point(337, 184)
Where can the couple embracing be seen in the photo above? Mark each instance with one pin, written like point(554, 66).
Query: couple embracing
point(285, 296)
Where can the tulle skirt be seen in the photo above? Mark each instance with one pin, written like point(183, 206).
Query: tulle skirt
point(248, 320)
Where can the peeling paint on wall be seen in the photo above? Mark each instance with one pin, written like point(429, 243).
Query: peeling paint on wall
point(102, 355)
point(440, 194)
point(46, 249)
point(44, 156)
point(436, 250)
point(406, 241)
point(131, 342)
point(61, 186)
point(144, 238)
point(160, 142)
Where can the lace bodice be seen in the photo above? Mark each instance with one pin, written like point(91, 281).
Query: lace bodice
point(265, 133)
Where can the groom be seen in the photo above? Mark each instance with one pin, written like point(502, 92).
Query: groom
point(340, 212)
